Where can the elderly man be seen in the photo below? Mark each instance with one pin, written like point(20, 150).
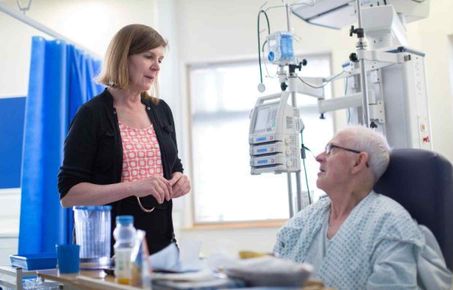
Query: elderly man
point(355, 238)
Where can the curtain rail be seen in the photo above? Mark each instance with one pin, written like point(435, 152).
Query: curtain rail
point(33, 23)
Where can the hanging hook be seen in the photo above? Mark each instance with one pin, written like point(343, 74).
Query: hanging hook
point(23, 8)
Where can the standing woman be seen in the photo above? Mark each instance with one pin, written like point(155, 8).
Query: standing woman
point(121, 146)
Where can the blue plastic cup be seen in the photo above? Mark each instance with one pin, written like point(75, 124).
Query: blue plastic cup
point(68, 260)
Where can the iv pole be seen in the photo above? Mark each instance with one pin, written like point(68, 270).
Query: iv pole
point(292, 90)
point(361, 47)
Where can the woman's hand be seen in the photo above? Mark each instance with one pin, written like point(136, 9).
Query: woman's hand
point(180, 184)
point(157, 186)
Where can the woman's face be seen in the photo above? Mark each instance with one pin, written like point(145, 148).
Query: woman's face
point(144, 67)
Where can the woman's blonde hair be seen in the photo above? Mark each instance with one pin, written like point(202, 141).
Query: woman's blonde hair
point(129, 40)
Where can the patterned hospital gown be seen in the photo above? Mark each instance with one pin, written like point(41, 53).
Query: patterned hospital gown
point(377, 247)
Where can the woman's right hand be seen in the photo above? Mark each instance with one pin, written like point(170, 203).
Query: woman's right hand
point(157, 186)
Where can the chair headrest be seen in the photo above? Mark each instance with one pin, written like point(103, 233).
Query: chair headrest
point(422, 182)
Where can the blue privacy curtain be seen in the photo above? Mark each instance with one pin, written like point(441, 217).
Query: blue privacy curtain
point(61, 79)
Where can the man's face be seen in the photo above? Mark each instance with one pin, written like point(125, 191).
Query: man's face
point(336, 163)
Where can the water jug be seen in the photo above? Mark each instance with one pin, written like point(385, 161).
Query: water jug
point(93, 232)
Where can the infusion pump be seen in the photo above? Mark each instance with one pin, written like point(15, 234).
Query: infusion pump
point(274, 135)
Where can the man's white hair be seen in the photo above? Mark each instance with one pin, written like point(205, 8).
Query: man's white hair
point(374, 143)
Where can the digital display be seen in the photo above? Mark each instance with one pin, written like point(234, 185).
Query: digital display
point(265, 118)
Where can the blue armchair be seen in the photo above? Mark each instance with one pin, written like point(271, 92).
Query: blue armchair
point(422, 182)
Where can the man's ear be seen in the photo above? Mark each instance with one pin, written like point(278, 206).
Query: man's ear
point(361, 162)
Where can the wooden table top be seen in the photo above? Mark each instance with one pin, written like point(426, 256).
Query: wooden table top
point(86, 279)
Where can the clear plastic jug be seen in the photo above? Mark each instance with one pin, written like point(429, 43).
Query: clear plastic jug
point(93, 234)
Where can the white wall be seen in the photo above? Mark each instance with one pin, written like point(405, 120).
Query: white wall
point(432, 36)
point(89, 23)
point(14, 57)
point(9, 223)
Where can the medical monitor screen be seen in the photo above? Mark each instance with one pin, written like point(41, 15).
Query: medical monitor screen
point(265, 119)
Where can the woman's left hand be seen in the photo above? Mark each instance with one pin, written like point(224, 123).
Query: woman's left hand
point(180, 184)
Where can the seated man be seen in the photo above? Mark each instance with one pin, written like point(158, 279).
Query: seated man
point(354, 237)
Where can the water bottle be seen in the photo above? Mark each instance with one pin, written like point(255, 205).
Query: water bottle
point(124, 235)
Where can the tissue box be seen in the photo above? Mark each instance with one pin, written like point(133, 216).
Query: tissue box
point(34, 261)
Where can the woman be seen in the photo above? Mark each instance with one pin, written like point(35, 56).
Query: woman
point(121, 147)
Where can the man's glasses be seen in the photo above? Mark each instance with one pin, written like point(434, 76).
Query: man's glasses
point(330, 147)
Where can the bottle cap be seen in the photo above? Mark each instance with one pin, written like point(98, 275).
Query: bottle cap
point(124, 219)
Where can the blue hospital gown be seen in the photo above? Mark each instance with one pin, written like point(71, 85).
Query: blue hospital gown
point(379, 246)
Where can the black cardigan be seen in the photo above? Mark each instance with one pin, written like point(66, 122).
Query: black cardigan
point(93, 153)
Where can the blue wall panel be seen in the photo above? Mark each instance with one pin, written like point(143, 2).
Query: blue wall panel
point(11, 136)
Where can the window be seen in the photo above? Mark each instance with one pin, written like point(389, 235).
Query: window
point(222, 96)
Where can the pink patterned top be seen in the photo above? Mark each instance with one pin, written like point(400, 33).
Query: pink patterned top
point(141, 153)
